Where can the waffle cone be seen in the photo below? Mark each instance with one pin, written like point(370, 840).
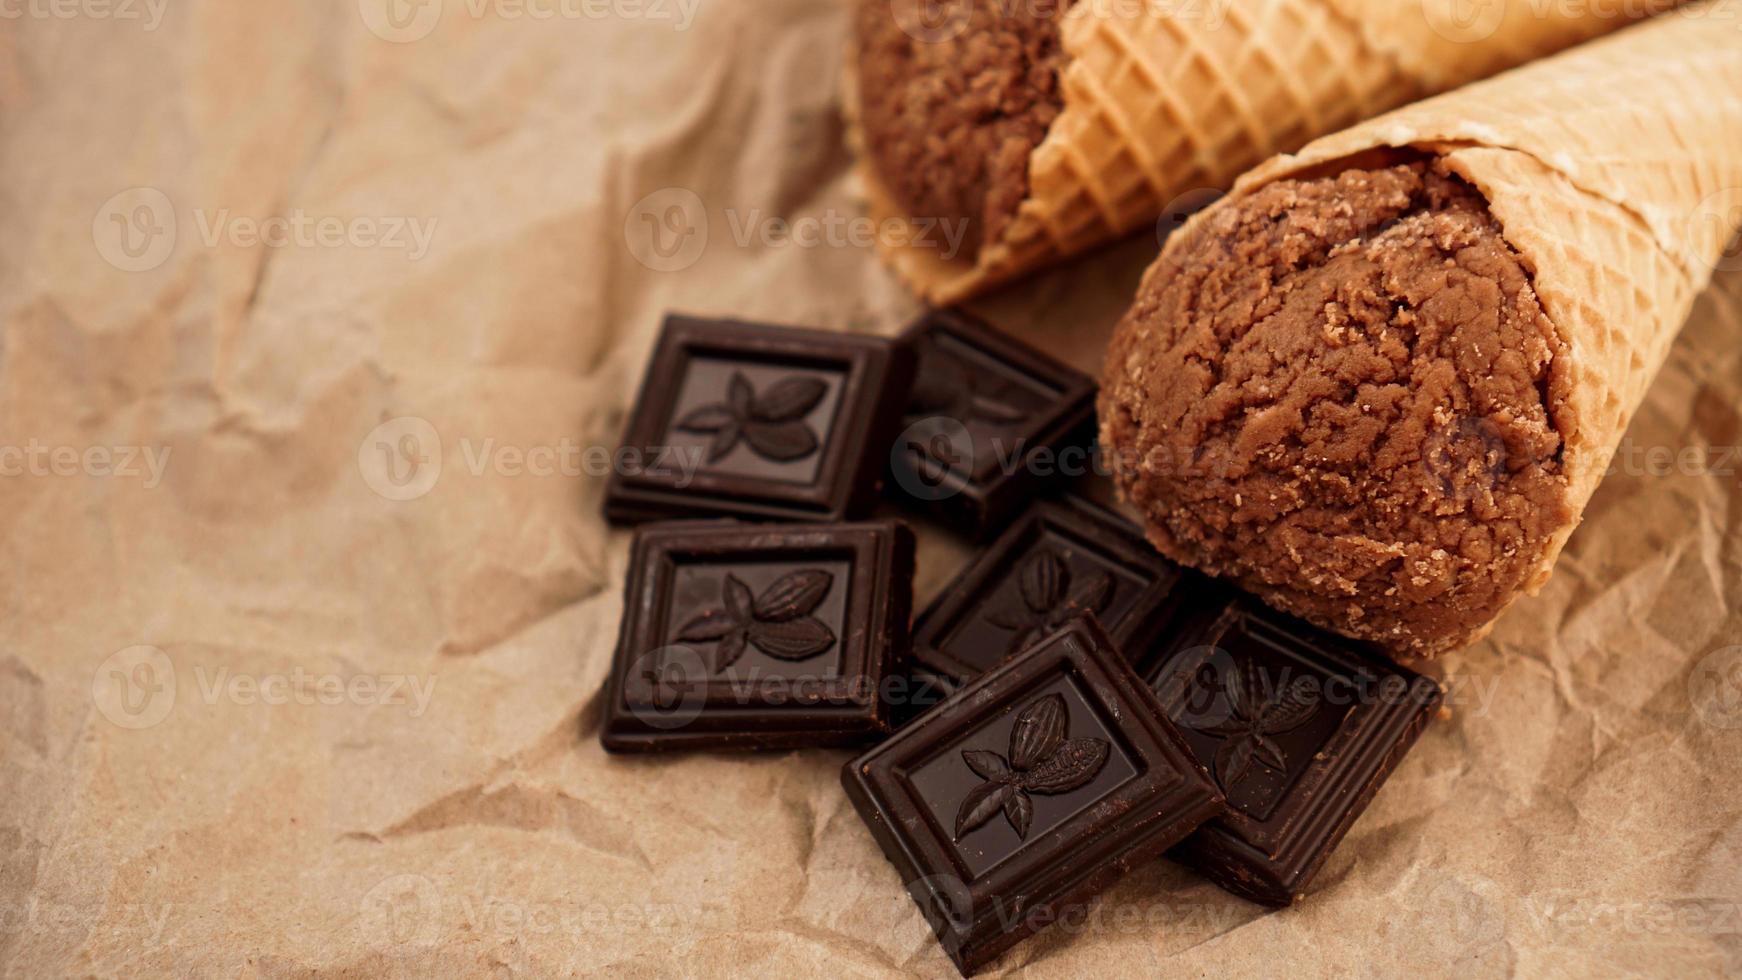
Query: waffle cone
point(1164, 100)
point(1615, 171)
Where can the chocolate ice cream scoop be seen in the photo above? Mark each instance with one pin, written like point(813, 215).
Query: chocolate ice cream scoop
point(1341, 392)
point(953, 101)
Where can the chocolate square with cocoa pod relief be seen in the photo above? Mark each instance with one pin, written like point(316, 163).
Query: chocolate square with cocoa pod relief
point(991, 423)
point(1030, 791)
point(1063, 557)
point(1299, 728)
point(758, 636)
point(758, 421)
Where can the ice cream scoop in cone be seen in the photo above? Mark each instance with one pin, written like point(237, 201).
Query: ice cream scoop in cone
point(1155, 101)
point(1379, 382)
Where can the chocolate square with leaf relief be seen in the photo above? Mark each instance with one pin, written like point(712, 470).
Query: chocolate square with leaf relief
point(1063, 557)
point(991, 422)
point(1298, 727)
point(758, 636)
point(1028, 792)
point(761, 422)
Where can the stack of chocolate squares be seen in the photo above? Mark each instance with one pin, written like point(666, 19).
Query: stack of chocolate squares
point(1072, 705)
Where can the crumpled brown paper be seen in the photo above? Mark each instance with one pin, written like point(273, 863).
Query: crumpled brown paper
point(307, 601)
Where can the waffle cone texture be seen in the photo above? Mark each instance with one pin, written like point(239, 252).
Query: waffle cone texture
point(1165, 101)
point(1615, 172)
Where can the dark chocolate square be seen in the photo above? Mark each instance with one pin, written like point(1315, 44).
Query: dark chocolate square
point(991, 422)
point(750, 420)
point(758, 636)
point(1061, 558)
point(1298, 727)
point(1029, 792)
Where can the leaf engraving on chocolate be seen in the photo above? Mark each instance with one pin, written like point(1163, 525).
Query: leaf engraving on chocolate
point(986, 765)
point(1038, 731)
point(1071, 765)
point(980, 804)
point(783, 443)
point(1043, 580)
point(1047, 596)
point(946, 387)
point(1042, 760)
point(794, 639)
point(778, 622)
point(788, 400)
point(772, 422)
point(794, 595)
point(1255, 716)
